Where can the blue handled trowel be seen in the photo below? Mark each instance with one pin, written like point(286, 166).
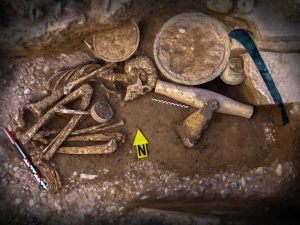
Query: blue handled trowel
point(244, 38)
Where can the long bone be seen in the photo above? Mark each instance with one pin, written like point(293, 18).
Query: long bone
point(60, 138)
point(64, 110)
point(85, 91)
point(97, 137)
point(98, 128)
point(39, 107)
point(107, 148)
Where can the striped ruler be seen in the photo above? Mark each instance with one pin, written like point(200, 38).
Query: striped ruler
point(169, 103)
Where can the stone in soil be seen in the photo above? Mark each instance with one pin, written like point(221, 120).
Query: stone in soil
point(220, 6)
point(284, 69)
point(88, 176)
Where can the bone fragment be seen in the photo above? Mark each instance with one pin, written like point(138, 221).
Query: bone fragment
point(98, 128)
point(107, 148)
point(18, 118)
point(41, 136)
point(110, 92)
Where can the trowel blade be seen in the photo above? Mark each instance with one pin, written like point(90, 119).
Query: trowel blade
point(244, 38)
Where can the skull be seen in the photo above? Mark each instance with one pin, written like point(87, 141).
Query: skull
point(141, 76)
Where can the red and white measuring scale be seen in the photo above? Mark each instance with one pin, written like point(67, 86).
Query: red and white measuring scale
point(26, 160)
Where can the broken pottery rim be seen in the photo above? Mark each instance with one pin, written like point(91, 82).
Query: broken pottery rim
point(120, 59)
point(221, 28)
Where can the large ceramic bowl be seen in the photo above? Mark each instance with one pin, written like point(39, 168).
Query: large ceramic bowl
point(117, 44)
point(192, 48)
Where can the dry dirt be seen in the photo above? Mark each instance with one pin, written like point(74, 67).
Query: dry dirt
point(238, 164)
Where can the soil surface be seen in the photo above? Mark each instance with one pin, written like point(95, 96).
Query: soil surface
point(238, 163)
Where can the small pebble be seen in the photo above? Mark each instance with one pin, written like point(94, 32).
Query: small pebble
point(245, 6)
point(182, 30)
point(223, 193)
point(260, 170)
point(27, 91)
point(31, 203)
point(243, 182)
point(110, 209)
point(144, 197)
point(46, 69)
point(105, 171)
point(57, 206)
point(3, 153)
point(234, 185)
point(18, 201)
point(88, 176)
point(278, 170)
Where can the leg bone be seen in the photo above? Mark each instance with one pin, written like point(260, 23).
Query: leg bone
point(97, 137)
point(85, 91)
point(107, 148)
point(49, 151)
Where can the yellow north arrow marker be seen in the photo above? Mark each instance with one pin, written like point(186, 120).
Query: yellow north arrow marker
point(141, 145)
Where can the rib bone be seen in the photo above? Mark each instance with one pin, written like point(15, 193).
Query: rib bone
point(91, 75)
